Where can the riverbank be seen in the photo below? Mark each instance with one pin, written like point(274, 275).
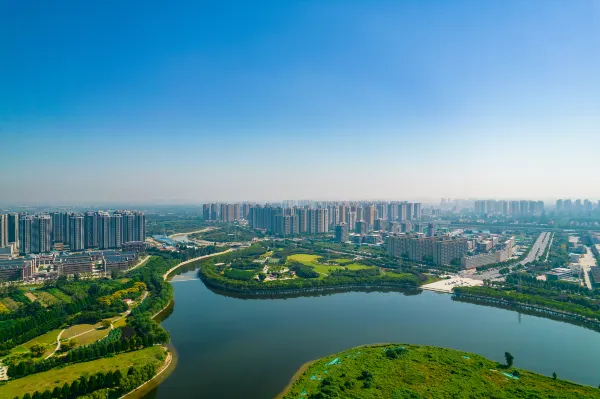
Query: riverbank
point(403, 370)
point(160, 376)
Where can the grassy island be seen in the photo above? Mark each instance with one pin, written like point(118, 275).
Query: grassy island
point(412, 371)
point(279, 268)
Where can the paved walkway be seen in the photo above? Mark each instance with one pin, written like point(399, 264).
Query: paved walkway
point(447, 285)
point(140, 263)
point(193, 260)
point(57, 344)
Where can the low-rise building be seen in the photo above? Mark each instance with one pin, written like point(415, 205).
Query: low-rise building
point(134, 246)
point(16, 269)
point(595, 276)
point(559, 273)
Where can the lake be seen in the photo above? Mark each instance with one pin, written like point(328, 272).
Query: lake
point(250, 348)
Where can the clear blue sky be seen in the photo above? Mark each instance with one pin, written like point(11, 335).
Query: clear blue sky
point(192, 101)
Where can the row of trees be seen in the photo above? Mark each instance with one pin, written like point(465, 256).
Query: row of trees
point(100, 381)
point(569, 303)
point(108, 346)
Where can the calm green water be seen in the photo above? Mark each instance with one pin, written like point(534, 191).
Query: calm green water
point(250, 348)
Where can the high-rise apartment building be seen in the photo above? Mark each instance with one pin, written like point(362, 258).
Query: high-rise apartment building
point(76, 231)
point(13, 229)
point(206, 212)
point(90, 230)
point(369, 215)
point(341, 232)
point(25, 226)
point(417, 211)
point(410, 211)
point(362, 227)
point(41, 234)
point(403, 212)
point(59, 227)
point(392, 212)
point(3, 230)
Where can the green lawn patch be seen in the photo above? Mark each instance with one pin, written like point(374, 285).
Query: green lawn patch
point(10, 304)
point(357, 266)
point(46, 298)
point(411, 371)
point(57, 377)
point(48, 340)
point(243, 275)
point(312, 260)
point(60, 295)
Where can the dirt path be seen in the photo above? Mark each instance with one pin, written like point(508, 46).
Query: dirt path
point(57, 344)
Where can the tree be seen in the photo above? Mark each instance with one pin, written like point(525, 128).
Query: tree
point(65, 391)
point(37, 350)
point(105, 323)
point(76, 277)
point(68, 345)
point(554, 376)
point(75, 388)
point(56, 392)
point(509, 359)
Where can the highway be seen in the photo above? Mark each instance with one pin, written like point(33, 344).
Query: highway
point(538, 248)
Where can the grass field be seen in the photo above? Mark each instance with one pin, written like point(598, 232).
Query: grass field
point(46, 298)
point(10, 304)
point(78, 329)
point(122, 322)
point(92, 336)
point(410, 371)
point(60, 295)
point(342, 260)
point(394, 274)
point(48, 339)
point(311, 260)
point(357, 266)
point(57, 377)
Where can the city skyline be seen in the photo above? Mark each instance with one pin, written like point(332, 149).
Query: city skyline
point(190, 102)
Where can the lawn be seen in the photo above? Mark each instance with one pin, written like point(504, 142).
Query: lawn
point(394, 274)
point(48, 339)
point(46, 298)
point(78, 329)
point(60, 295)
point(57, 377)
point(357, 266)
point(10, 304)
point(92, 336)
point(311, 260)
point(411, 371)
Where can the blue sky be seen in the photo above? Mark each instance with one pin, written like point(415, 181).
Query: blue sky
point(194, 101)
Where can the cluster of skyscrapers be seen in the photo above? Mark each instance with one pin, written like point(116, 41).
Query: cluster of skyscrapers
point(343, 217)
point(578, 205)
point(225, 212)
point(509, 208)
point(34, 234)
